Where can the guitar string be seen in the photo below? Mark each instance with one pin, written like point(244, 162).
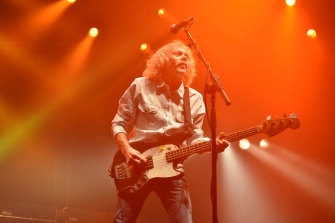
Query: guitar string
point(199, 147)
point(161, 161)
point(186, 151)
point(179, 153)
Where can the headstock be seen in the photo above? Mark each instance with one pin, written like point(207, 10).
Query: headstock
point(273, 126)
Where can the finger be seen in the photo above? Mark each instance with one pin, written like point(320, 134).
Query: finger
point(218, 141)
point(138, 161)
point(225, 142)
point(140, 158)
point(222, 135)
point(133, 161)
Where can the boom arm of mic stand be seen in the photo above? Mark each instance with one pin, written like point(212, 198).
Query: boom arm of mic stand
point(214, 78)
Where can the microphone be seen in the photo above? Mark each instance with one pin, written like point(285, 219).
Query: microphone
point(176, 27)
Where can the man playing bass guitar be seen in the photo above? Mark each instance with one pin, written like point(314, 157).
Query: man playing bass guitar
point(153, 107)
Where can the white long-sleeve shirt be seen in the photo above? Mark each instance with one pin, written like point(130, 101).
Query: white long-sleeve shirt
point(156, 114)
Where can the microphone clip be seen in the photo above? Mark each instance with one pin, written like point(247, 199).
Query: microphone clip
point(186, 24)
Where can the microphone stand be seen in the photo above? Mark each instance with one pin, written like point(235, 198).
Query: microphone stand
point(211, 89)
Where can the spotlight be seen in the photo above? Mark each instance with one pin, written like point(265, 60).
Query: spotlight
point(290, 2)
point(311, 33)
point(244, 144)
point(264, 144)
point(71, 1)
point(144, 47)
point(93, 32)
point(162, 12)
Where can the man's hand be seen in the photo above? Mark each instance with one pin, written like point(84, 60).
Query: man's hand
point(221, 142)
point(133, 156)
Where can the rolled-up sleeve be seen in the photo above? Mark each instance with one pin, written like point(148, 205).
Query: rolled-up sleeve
point(125, 115)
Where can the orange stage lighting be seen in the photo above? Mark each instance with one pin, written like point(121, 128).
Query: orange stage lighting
point(7, 116)
point(290, 2)
point(162, 12)
point(69, 84)
point(306, 174)
point(264, 144)
point(244, 144)
point(75, 62)
point(144, 47)
point(20, 56)
point(93, 32)
point(42, 19)
point(311, 33)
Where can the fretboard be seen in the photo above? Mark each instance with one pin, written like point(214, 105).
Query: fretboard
point(243, 134)
point(185, 152)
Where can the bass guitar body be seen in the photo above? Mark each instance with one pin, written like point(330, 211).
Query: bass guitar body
point(129, 178)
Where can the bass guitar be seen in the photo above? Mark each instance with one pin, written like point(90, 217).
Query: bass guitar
point(161, 161)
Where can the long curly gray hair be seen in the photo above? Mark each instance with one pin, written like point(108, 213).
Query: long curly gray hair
point(157, 61)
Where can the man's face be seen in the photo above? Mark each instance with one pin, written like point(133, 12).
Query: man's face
point(177, 63)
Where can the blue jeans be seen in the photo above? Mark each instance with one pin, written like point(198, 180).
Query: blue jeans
point(171, 191)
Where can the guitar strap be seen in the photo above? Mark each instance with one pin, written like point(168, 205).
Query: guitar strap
point(187, 113)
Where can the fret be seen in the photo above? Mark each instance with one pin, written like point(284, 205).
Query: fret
point(187, 151)
point(184, 152)
point(243, 134)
